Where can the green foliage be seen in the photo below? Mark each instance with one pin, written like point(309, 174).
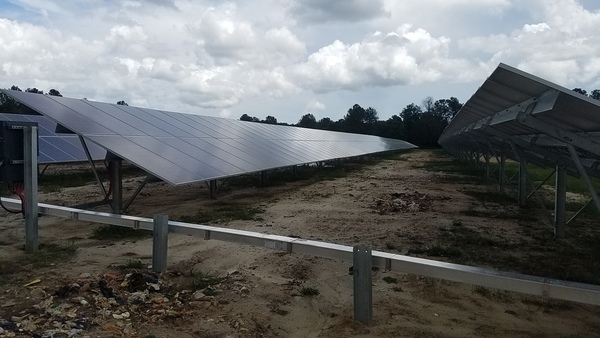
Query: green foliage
point(390, 280)
point(202, 280)
point(134, 264)
point(308, 291)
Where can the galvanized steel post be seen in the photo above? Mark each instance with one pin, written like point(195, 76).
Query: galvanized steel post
point(160, 243)
point(116, 174)
point(560, 201)
point(363, 289)
point(30, 140)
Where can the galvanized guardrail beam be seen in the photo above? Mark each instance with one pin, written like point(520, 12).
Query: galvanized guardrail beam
point(546, 287)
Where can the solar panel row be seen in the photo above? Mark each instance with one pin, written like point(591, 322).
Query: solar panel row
point(53, 147)
point(181, 148)
point(541, 119)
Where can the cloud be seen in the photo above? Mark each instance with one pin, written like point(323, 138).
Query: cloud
point(316, 11)
point(560, 47)
point(405, 56)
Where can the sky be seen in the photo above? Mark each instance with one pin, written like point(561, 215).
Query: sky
point(287, 58)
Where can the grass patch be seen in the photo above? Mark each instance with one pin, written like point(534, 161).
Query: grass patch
point(390, 280)
point(224, 213)
point(307, 291)
point(134, 264)
point(114, 232)
point(202, 280)
point(49, 254)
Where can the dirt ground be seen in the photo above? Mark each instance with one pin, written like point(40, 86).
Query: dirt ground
point(217, 289)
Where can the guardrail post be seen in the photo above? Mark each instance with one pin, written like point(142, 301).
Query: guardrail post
point(363, 289)
point(159, 243)
point(560, 201)
point(30, 140)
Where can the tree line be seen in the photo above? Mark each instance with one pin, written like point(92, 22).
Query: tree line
point(420, 125)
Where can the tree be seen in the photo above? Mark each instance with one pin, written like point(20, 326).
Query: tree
point(54, 92)
point(122, 103)
point(7, 104)
point(13, 87)
point(595, 94)
point(34, 90)
point(270, 120)
point(307, 121)
point(446, 108)
point(246, 117)
point(580, 91)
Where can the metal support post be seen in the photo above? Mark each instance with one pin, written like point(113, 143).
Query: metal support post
point(94, 170)
point(116, 175)
point(502, 173)
point(263, 178)
point(212, 188)
point(560, 201)
point(30, 140)
point(363, 289)
point(584, 176)
point(160, 243)
point(487, 156)
point(522, 182)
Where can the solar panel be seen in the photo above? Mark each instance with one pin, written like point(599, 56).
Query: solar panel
point(53, 147)
point(512, 106)
point(182, 148)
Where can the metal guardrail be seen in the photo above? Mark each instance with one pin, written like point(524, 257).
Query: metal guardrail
point(546, 287)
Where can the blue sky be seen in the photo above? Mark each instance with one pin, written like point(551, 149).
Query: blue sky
point(286, 58)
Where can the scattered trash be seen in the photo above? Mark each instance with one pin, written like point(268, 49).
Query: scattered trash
point(35, 281)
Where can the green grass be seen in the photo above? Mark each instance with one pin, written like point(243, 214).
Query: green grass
point(200, 280)
point(224, 213)
point(134, 264)
point(75, 178)
point(390, 280)
point(114, 232)
point(307, 291)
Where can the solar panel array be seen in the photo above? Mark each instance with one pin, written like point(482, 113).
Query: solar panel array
point(542, 120)
point(54, 147)
point(182, 148)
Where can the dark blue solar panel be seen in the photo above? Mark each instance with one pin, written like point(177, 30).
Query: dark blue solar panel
point(57, 148)
point(181, 148)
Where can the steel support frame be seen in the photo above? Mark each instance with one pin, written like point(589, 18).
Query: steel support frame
point(30, 149)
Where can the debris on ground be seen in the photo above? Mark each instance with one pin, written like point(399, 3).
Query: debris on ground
point(401, 202)
point(112, 304)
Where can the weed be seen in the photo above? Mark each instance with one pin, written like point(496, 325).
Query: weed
point(308, 291)
point(280, 312)
point(49, 254)
point(134, 264)
point(113, 232)
point(397, 289)
point(202, 280)
point(390, 280)
point(390, 246)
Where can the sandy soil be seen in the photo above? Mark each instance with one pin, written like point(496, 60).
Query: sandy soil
point(394, 205)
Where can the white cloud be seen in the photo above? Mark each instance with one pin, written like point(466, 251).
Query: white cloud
point(402, 57)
